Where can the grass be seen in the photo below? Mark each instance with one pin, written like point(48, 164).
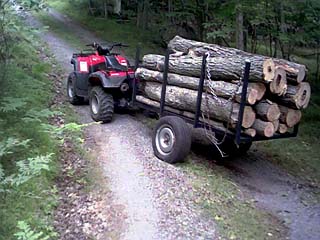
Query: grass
point(235, 214)
point(34, 201)
point(300, 156)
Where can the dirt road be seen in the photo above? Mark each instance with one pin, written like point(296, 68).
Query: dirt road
point(156, 196)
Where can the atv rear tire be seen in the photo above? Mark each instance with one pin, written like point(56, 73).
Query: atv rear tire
point(71, 93)
point(171, 140)
point(101, 105)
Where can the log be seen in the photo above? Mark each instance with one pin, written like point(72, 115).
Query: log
point(218, 125)
point(289, 116)
point(276, 125)
point(221, 68)
point(250, 132)
point(295, 72)
point(279, 85)
point(297, 97)
point(267, 110)
point(221, 88)
point(283, 128)
point(186, 99)
point(260, 88)
point(264, 128)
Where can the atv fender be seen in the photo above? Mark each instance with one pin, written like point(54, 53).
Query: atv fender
point(100, 78)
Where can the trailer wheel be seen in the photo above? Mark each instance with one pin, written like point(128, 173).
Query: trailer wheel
point(71, 91)
point(101, 105)
point(171, 140)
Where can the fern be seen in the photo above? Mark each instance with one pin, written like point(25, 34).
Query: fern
point(34, 115)
point(26, 233)
point(10, 104)
point(7, 146)
point(30, 168)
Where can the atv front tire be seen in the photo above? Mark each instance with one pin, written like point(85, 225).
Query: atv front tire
point(71, 93)
point(101, 105)
point(171, 140)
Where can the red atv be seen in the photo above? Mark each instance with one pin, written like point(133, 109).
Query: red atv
point(103, 77)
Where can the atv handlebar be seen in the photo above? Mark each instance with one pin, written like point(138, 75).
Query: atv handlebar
point(97, 46)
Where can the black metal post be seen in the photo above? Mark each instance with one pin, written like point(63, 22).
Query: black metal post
point(243, 100)
point(164, 84)
point(200, 90)
point(134, 82)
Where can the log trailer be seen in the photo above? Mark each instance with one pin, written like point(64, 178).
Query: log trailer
point(171, 139)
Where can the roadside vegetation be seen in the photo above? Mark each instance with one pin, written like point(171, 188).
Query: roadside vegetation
point(30, 140)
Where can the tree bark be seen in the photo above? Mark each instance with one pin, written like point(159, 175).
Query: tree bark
point(268, 110)
point(289, 116)
point(221, 88)
point(221, 68)
point(186, 99)
point(264, 128)
point(294, 70)
point(297, 97)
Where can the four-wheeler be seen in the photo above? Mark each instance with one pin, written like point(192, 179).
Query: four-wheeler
point(103, 77)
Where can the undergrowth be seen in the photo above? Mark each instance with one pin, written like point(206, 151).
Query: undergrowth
point(29, 145)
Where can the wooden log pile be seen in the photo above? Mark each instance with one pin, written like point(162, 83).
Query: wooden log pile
point(276, 94)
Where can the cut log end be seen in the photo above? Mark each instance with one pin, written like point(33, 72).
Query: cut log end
point(283, 128)
point(264, 128)
point(289, 116)
point(249, 117)
point(260, 88)
point(304, 94)
point(268, 110)
point(268, 70)
point(278, 85)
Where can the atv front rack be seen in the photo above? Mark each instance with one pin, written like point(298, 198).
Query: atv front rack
point(236, 136)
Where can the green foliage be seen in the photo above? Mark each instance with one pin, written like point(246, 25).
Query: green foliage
point(26, 233)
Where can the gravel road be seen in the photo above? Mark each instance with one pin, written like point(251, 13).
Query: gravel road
point(156, 196)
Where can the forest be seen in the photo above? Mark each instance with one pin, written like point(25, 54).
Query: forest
point(36, 125)
point(285, 29)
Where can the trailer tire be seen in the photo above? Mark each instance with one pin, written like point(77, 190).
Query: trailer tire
point(171, 140)
point(71, 90)
point(101, 105)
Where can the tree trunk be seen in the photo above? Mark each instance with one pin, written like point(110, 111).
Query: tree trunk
point(117, 7)
point(268, 110)
point(221, 68)
point(199, 48)
point(297, 97)
point(185, 99)
point(289, 116)
point(239, 27)
point(264, 128)
point(221, 88)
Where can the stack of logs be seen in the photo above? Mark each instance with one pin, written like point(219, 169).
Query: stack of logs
point(275, 96)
